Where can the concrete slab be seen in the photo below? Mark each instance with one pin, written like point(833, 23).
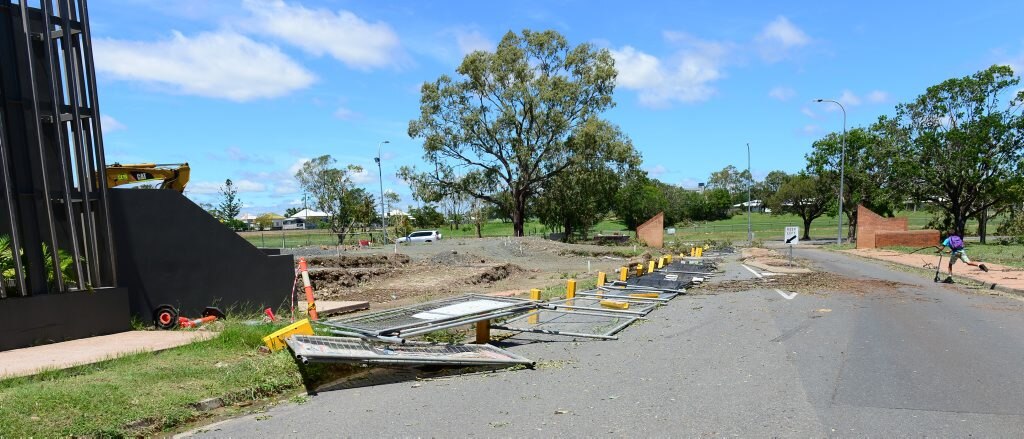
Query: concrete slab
point(29, 361)
point(335, 307)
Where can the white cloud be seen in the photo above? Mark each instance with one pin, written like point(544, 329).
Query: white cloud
point(810, 130)
point(849, 99)
point(686, 77)
point(203, 187)
point(343, 113)
point(809, 113)
point(689, 183)
point(243, 186)
point(297, 166)
point(472, 40)
point(220, 64)
point(110, 124)
point(363, 176)
point(781, 93)
point(343, 35)
point(877, 97)
point(236, 154)
point(779, 37)
point(657, 170)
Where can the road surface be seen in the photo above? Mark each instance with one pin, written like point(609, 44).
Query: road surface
point(928, 360)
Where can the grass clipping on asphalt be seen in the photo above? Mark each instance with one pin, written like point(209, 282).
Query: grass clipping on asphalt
point(148, 392)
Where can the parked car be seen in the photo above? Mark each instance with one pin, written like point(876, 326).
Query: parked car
point(421, 236)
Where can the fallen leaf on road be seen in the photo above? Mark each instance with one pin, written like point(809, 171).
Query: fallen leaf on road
point(823, 310)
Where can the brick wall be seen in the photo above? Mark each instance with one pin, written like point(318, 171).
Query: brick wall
point(910, 238)
point(875, 231)
point(652, 232)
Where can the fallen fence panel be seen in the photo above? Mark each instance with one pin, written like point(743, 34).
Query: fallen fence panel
point(636, 306)
point(320, 349)
point(430, 316)
point(569, 323)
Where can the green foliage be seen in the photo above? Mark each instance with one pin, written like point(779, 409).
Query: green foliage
point(507, 123)
point(8, 270)
point(335, 194)
point(733, 181)
point(867, 170)
point(638, 200)
point(265, 221)
point(805, 195)
point(230, 205)
point(291, 211)
point(577, 199)
point(427, 216)
point(958, 147)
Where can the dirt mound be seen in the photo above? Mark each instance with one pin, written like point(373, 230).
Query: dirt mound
point(493, 274)
point(390, 260)
point(332, 281)
point(808, 283)
point(454, 258)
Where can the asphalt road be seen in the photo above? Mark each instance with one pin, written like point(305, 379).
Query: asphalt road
point(928, 360)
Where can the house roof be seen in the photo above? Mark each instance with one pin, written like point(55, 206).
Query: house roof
point(307, 214)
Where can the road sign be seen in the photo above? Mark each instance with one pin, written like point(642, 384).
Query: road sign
point(792, 235)
point(671, 231)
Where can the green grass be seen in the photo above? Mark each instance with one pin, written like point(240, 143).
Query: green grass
point(324, 237)
point(102, 399)
point(1009, 254)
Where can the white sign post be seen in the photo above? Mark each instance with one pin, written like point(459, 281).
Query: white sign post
point(792, 235)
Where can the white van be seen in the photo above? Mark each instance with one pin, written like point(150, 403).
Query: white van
point(293, 224)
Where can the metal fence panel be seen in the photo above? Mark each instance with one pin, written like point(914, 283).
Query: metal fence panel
point(311, 348)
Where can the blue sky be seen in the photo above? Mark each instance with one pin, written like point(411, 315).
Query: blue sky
point(247, 89)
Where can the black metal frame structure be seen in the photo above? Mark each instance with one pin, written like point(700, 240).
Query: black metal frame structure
point(55, 209)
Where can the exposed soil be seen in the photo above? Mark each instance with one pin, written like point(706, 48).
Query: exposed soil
point(821, 283)
point(451, 266)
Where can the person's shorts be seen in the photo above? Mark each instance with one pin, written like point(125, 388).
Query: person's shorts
point(959, 254)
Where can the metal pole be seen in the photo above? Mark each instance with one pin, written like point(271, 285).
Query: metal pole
point(380, 176)
point(842, 170)
point(750, 233)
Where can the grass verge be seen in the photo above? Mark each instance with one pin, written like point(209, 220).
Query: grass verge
point(146, 393)
point(1011, 255)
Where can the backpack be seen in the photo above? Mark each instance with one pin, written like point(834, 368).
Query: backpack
point(956, 243)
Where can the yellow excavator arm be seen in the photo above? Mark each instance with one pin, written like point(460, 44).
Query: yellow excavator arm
point(174, 175)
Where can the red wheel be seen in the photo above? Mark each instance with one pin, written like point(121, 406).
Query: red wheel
point(165, 317)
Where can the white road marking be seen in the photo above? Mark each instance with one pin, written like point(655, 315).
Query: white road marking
point(784, 295)
point(759, 276)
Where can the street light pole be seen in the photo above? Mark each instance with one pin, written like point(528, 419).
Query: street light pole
point(380, 176)
point(842, 169)
point(750, 233)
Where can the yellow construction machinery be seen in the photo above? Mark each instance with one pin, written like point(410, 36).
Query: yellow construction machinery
point(174, 175)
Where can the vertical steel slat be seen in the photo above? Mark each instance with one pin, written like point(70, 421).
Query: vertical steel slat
point(100, 161)
point(82, 158)
point(11, 198)
point(56, 96)
point(57, 275)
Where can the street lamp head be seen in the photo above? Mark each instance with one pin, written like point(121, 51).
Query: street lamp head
point(819, 100)
point(376, 160)
point(387, 141)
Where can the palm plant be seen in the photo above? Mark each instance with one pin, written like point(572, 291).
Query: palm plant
point(7, 262)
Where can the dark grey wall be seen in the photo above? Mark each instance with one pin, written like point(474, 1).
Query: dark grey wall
point(171, 251)
point(47, 318)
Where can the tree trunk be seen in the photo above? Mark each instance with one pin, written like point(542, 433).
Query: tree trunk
point(479, 230)
point(807, 228)
point(566, 230)
point(982, 225)
point(518, 214)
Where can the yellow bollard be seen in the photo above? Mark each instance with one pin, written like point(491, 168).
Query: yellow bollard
point(600, 278)
point(570, 288)
point(623, 272)
point(534, 295)
point(700, 252)
point(661, 262)
point(650, 267)
point(668, 258)
point(615, 304)
point(639, 270)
